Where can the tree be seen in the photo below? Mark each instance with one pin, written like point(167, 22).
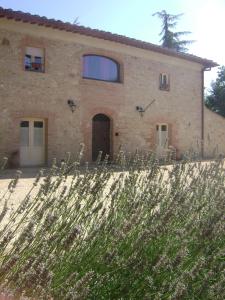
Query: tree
point(169, 38)
point(216, 99)
point(76, 21)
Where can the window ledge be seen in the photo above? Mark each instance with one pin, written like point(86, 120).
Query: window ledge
point(96, 82)
point(164, 89)
point(34, 71)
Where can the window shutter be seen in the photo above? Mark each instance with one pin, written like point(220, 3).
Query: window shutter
point(35, 51)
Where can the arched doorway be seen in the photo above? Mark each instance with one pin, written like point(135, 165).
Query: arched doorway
point(100, 135)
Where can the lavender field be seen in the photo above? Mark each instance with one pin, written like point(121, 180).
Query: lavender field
point(137, 229)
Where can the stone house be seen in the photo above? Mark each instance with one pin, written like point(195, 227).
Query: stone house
point(63, 84)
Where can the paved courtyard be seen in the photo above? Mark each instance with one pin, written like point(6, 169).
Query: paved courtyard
point(23, 186)
point(25, 182)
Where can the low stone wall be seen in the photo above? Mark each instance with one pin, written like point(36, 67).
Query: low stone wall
point(214, 134)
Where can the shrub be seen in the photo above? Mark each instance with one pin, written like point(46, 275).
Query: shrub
point(135, 230)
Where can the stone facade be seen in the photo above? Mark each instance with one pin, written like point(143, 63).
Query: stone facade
point(214, 134)
point(25, 94)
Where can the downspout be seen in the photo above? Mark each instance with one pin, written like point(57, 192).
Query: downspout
point(202, 111)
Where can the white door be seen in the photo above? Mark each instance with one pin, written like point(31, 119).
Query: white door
point(32, 142)
point(161, 139)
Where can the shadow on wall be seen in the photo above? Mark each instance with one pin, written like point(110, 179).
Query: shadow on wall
point(13, 161)
point(214, 145)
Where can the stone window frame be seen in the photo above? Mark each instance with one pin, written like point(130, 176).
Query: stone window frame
point(33, 42)
point(42, 70)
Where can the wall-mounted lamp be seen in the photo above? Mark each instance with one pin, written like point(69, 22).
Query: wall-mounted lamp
point(71, 104)
point(141, 110)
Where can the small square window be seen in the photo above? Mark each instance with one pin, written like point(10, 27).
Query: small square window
point(34, 59)
point(164, 82)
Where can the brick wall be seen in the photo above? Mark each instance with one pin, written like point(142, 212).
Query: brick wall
point(214, 134)
point(45, 95)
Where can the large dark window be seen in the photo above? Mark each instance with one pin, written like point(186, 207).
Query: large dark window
point(100, 68)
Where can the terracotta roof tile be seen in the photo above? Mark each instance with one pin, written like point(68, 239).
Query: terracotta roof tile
point(57, 24)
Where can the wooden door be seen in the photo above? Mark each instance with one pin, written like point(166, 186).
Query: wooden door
point(100, 136)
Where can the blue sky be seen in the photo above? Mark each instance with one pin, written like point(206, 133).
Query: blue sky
point(133, 18)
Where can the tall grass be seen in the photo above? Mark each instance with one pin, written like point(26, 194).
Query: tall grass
point(135, 230)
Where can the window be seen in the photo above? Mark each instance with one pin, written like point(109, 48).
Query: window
point(100, 68)
point(24, 129)
point(164, 82)
point(34, 59)
point(38, 133)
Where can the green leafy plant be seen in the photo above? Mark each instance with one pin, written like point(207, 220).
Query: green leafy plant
point(216, 98)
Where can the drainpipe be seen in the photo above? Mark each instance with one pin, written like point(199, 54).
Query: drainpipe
point(202, 110)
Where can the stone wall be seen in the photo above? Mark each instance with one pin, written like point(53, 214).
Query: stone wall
point(45, 95)
point(214, 134)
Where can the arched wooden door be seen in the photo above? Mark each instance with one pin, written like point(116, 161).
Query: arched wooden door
point(100, 135)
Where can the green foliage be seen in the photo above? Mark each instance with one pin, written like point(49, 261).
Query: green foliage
point(169, 38)
point(216, 99)
point(135, 230)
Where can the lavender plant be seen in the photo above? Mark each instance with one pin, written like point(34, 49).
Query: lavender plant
point(133, 230)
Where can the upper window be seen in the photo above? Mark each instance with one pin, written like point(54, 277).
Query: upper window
point(34, 59)
point(164, 82)
point(100, 68)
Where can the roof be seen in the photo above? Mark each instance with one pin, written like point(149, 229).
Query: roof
point(100, 34)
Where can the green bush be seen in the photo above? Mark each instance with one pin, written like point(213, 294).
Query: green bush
point(133, 230)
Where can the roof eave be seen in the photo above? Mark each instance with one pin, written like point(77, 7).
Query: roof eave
point(57, 24)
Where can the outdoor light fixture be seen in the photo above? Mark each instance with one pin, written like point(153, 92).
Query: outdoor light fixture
point(71, 104)
point(142, 110)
